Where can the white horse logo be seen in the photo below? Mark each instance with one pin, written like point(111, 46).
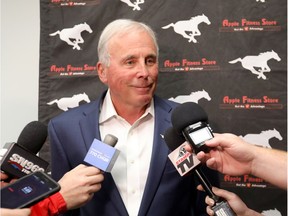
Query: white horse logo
point(260, 62)
point(70, 102)
point(271, 212)
point(193, 97)
point(184, 26)
point(134, 5)
point(72, 36)
point(262, 138)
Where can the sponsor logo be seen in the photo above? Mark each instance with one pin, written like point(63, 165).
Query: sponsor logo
point(72, 70)
point(186, 65)
point(245, 25)
point(245, 102)
point(73, 3)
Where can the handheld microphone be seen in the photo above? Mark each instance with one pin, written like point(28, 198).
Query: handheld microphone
point(103, 154)
point(191, 120)
point(21, 159)
point(195, 129)
point(173, 141)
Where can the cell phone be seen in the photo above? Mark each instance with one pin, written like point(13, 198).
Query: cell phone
point(28, 190)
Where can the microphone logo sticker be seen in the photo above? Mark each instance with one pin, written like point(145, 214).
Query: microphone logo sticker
point(182, 160)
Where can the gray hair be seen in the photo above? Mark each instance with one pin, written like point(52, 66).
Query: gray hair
point(117, 27)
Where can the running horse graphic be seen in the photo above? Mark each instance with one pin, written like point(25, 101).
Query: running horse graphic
point(70, 102)
point(72, 36)
point(262, 138)
point(258, 62)
point(184, 26)
point(134, 5)
point(193, 97)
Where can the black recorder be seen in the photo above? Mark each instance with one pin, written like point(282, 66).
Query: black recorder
point(196, 134)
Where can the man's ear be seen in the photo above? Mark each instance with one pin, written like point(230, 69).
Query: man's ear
point(102, 72)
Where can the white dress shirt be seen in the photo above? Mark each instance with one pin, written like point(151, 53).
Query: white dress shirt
point(135, 143)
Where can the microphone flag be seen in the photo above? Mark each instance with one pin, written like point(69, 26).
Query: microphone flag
point(101, 155)
point(183, 160)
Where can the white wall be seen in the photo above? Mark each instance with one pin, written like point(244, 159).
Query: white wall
point(20, 35)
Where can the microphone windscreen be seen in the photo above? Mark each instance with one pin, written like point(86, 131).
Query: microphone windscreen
point(187, 114)
point(33, 136)
point(110, 140)
point(173, 139)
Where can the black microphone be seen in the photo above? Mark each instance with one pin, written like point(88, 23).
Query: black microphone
point(21, 159)
point(190, 120)
point(173, 140)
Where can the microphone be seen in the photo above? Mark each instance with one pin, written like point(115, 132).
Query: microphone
point(195, 129)
point(174, 141)
point(20, 158)
point(191, 120)
point(103, 154)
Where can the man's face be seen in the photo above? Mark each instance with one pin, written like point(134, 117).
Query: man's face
point(133, 71)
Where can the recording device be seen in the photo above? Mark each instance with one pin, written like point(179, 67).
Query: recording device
point(191, 120)
point(28, 190)
point(20, 159)
point(173, 139)
point(194, 127)
point(103, 154)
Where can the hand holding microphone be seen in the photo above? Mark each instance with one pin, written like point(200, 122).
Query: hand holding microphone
point(194, 127)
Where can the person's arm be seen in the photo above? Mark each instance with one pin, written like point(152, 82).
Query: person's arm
point(235, 203)
point(270, 165)
point(231, 155)
point(13, 212)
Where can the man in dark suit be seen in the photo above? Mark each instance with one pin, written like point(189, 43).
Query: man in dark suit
point(143, 180)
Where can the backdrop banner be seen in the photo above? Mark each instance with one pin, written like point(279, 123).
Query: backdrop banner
point(230, 57)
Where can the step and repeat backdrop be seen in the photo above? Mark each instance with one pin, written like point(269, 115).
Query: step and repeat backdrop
point(229, 56)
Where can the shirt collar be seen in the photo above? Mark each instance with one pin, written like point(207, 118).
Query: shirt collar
point(108, 111)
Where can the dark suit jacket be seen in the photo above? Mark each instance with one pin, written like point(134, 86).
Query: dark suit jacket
point(166, 192)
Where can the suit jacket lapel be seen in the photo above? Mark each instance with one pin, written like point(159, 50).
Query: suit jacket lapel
point(159, 154)
point(89, 127)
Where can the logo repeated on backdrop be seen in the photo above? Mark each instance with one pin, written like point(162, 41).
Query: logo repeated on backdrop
point(245, 102)
point(71, 3)
point(192, 97)
point(72, 36)
point(70, 102)
point(134, 5)
point(245, 25)
point(263, 138)
point(187, 65)
point(189, 28)
point(258, 64)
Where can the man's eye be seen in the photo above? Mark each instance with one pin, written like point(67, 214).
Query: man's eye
point(130, 62)
point(151, 61)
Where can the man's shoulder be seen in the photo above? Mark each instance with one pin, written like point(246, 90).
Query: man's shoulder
point(77, 112)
